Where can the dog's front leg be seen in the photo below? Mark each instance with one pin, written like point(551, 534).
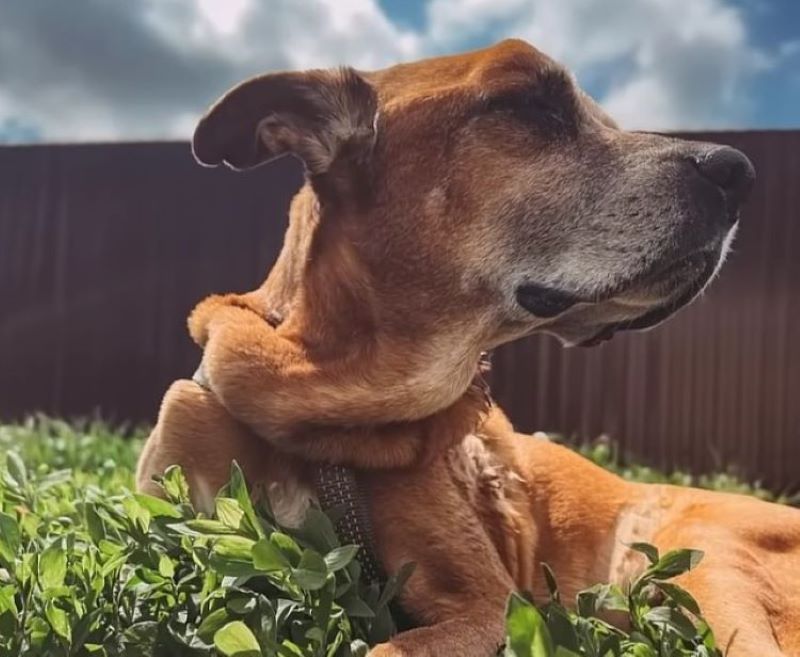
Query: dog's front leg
point(458, 590)
point(471, 636)
point(264, 375)
point(267, 382)
point(196, 432)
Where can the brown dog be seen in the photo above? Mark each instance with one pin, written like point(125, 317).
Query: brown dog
point(451, 205)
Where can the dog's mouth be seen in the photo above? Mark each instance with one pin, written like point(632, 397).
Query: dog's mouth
point(637, 305)
point(705, 264)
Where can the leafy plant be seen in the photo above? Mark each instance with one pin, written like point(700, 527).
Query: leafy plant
point(89, 568)
point(664, 619)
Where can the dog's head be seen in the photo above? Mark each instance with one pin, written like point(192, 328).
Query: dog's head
point(484, 196)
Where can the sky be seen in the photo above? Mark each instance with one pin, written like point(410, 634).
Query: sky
point(101, 70)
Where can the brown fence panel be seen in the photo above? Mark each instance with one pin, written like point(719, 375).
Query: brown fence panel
point(104, 249)
point(103, 252)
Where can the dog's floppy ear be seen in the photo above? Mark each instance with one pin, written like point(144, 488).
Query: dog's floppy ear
point(318, 115)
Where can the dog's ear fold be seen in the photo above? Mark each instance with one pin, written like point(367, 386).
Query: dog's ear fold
point(321, 116)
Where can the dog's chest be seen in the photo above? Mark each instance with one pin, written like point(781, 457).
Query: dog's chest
point(496, 494)
point(289, 499)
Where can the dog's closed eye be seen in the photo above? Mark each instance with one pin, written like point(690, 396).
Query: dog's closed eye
point(544, 302)
point(549, 101)
point(526, 105)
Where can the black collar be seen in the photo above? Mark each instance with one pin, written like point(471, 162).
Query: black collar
point(338, 491)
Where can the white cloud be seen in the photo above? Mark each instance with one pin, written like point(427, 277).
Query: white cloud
point(92, 69)
point(224, 16)
point(789, 48)
point(680, 63)
point(452, 21)
point(95, 70)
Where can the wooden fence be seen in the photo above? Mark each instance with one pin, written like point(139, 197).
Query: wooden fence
point(105, 248)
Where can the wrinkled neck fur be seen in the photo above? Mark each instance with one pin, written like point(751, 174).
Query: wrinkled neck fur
point(317, 291)
point(323, 298)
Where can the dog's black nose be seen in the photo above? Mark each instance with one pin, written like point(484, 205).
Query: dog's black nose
point(730, 170)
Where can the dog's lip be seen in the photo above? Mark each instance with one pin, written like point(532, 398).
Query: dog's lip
point(603, 335)
point(548, 302)
point(656, 315)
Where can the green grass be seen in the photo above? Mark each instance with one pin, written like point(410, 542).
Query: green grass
point(88, 567)
point(605, 453)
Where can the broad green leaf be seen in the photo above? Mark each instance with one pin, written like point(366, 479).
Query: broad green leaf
point(241, 605)
point(311, 573)
point(562, 630)
point(113, 564)
point(25, 570)
point(229, 512)
point(356, 607)
point(236, 640)
point(166, 567)
point(59, 621)
point(203, 527)
point(143, 635)
point(673, 619)
point(238, 490)
point(53, 479)
point(709, 641)
point(83, 627)
point(267, 622)
point(231, 567)
point(7, 601)
point(30, 523)
point(9, 538)
point(561, 651)
point(334, 644)
point(94, 523)
point(650, 551)
point(601, 597)
point(288, 546)
point(641, 650)
point(235, 547)
point(16, 469)
point(289, 649)
point(156, 506)
point(211, 623)
point(9, 623)
point(382, 627)
point(680, 595)
point(550, 579)
point(610, 645)
point(175, 485)
point(315, 634)
point(340, 557)
point(318, 530)
point(52, 566)
point(528, 635)
point(39, 629)
point(268, 557)
point(674, 563)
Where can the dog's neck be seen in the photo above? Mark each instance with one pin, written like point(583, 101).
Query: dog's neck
point(323, 300)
